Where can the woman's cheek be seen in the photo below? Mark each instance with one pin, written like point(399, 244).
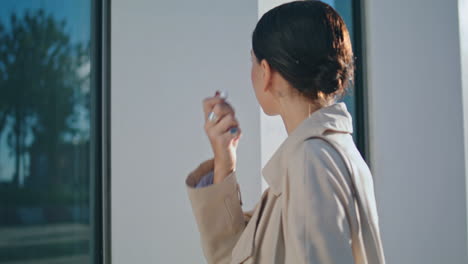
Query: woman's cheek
point(252, 74)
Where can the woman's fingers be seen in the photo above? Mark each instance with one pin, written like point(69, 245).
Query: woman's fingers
point(227, 122)
point(220, 120)
point(209, 103)
point(218, 111)
point(230, 135)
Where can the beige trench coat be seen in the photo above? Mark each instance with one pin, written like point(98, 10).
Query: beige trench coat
point(314, 211)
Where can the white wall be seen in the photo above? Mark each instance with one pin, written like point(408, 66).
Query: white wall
point(416, 129)
point(166, 57)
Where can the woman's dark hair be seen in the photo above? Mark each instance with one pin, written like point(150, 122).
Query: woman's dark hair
point(308, 43)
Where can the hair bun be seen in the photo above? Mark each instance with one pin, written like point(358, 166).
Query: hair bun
point(328, 89)
point(325, 76)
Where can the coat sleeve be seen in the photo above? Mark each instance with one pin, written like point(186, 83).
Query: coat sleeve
point(319, 205)
point(218, 212)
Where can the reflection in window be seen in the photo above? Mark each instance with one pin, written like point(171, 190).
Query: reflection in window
point(46, 188)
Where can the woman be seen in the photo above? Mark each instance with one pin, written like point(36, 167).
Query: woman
point(320, 205)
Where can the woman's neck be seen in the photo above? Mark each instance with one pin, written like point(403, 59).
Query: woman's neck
point(293, 112)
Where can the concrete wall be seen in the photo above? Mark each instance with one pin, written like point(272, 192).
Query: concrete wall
point(416, 129)
point(166, 57)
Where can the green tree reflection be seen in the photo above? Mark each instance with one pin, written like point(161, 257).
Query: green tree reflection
point(44, 111)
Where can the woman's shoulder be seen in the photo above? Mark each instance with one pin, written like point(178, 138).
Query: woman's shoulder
point(319, 150)
point(317, 160)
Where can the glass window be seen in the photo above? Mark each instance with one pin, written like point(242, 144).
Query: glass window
point(48, 147)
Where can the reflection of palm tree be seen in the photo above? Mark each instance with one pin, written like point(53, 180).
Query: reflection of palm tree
point(40, 87)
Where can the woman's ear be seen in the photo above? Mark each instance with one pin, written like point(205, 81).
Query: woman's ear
point(266, 75)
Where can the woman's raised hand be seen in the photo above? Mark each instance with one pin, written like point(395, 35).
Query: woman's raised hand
point(224, 133)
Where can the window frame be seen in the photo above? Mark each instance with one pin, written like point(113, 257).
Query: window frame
point(360, 84)
point(101, 106)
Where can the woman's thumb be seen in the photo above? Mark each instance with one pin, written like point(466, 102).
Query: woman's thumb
point(235, 133)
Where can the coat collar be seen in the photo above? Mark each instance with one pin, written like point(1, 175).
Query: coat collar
point(335, 117)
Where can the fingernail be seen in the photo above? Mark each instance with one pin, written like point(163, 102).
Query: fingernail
point(212, 116)
point(233, 130)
